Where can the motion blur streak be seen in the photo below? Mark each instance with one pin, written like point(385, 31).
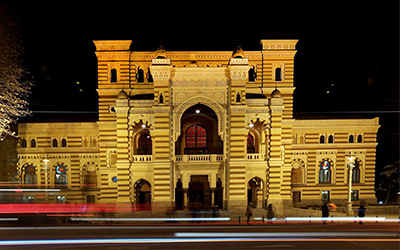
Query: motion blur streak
point(287, 234)
point(335, 219)
point(170, 240)
point(8, 219)
point(28, 190)
point(152, 219)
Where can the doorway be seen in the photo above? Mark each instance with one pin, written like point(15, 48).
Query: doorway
point(255, 192)
point(199, 192)
point(143, 194)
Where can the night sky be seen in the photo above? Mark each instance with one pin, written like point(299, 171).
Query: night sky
point(350, 50)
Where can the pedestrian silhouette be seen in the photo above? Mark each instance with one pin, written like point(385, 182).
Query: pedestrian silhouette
point(270, 213)
point(325, 213)
point(249, 212)
point(361, 213)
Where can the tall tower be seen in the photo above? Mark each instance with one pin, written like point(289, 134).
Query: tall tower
point(278, 76)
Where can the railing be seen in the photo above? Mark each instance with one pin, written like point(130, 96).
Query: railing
point(142, 158)
point(199, 158)
point(255, 157)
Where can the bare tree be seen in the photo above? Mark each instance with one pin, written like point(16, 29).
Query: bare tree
point(14, 84)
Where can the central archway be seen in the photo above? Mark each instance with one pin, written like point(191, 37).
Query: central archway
point(199, 135)
point(217, 109)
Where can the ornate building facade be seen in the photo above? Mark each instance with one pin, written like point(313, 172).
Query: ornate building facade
point(197, 129)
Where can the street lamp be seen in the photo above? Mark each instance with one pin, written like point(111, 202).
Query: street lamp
point(350, 165)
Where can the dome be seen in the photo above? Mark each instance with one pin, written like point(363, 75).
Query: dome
point(161, 52)
point(238, 52)
point(122, 95)
point(276, 94)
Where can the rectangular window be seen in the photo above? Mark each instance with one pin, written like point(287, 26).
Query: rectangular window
point(325, 195)
point(354, 195)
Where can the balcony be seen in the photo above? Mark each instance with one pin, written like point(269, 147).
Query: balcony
point(255, 157)
point(142, 158)
point(199, 158)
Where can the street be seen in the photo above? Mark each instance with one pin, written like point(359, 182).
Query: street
point(204, 236)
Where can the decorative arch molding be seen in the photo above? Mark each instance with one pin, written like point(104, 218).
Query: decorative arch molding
point(147, 119)
point(204, 100)
point(261, 117)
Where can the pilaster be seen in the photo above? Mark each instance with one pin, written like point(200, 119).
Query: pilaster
point(122, 164)
point(276, 156)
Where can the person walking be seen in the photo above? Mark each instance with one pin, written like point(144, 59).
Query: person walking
point(361, 213)
point(270, 213)
point(249, 212)
point(325, 213)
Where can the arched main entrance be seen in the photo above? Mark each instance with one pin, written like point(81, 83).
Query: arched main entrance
point(255, 192)
point(143, 194)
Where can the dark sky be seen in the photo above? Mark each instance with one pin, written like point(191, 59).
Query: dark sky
point(349, 49)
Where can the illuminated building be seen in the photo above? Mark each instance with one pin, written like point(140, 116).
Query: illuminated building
point(198, 128)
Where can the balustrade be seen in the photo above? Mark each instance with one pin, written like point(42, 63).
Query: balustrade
point(199, 158)
point(255, 157)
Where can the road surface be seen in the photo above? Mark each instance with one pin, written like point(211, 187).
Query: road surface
point(203, 236)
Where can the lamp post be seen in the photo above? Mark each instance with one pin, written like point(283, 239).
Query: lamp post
point(45, 164)
point(350, 165)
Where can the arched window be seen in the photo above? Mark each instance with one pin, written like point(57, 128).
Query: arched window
point(161, 99)
point(359, 139)
point(30, 175)
point(113, 77)
point(33, 143)
point(355, 178)
point(330, 139)
point(252, 74)
point(250, 144)
point(149, 76)
point(61, 177)
point(55, 143)
point(297, 173)
point(238, 97)
point(322, 139)
point(63, 143)
point(23, 143)
point(196, 140)
point(325, 171)
point(278, 74)
point(144, 145)
point(90, 179)
point(351, 138)
point(140, 75)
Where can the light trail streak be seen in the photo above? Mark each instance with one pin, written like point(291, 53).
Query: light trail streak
point(285, 234)
point(29, 190)
point(152, 219)
point(168, 240)
point(328, 219)
point(8, 219)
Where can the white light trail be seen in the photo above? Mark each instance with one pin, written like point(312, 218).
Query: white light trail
point(8, 219)
point(285, 234)
point(152, 219)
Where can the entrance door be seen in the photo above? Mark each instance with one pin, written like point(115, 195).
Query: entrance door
point(199, 192)
point(143, 194)
point(255, 192)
